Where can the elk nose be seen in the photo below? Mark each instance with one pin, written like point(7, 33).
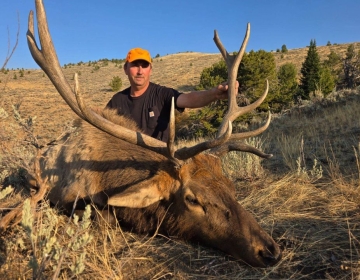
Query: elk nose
point(270, 255)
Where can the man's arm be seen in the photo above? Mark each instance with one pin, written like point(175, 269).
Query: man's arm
point(198, 99)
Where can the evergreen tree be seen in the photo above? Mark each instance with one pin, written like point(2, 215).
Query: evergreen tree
point(287, 78)
point(334, 64)
point(351, 67)
point(284, 49)
point(213, 76)
point(255, 68)
point(310, 72)
point(327, 81)
point(209, 117)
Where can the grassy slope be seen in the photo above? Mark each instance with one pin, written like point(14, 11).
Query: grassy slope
point(315, 220)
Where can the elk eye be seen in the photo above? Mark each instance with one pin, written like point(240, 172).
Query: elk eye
point(192, 200)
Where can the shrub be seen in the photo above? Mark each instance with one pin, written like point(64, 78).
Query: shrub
point(284, 49)
point(244, 165)
point(115, 83)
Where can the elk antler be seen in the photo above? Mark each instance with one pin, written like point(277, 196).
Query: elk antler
point(47, 59)
point(234, 111)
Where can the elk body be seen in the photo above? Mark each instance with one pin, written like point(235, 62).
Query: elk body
point(149, 185)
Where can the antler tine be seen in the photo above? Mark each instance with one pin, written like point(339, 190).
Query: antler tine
point(238, 146)
point(46, 58)
point(188, 152)
point(248, 134)
point(170, 144)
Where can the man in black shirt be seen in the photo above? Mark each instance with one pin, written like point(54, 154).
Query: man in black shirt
point(148, 103)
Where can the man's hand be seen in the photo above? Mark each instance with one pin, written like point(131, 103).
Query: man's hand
point(198, 99)
point(222, 90)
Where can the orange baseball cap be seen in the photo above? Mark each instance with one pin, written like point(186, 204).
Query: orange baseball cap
point(137, 54)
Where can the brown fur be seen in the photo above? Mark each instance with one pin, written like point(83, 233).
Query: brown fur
point(195, 202)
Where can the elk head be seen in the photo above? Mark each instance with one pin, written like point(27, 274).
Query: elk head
point(201, 201)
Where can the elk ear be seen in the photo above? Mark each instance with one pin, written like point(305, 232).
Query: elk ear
point(138, 196)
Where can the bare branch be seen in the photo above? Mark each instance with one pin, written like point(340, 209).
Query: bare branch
point(15, 215)
point(10, 54)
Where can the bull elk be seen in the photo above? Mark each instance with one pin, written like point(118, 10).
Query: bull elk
point(109, 163)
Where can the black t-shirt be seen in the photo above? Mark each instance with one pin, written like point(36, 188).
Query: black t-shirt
point(151, 110)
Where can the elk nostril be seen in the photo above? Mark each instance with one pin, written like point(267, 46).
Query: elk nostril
point(267, 255)
point(270, 255)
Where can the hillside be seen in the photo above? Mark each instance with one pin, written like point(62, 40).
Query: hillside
point(307, 196)
point(35, 95)
point(297, 56)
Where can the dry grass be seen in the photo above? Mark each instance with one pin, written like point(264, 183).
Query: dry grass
point(316, 225)
point(315, 220)
point(326, 131)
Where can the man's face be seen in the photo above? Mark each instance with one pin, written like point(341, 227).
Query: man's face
point(138, 72)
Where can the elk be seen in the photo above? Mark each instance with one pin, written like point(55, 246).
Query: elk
point(146, 184)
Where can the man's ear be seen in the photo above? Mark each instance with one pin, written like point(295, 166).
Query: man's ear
point(125, 67)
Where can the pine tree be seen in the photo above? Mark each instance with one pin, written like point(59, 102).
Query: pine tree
point(310, 72)
point(327, 81)
point(352, 67)
point(334, 64)
point(287, 78)
point(255, 68)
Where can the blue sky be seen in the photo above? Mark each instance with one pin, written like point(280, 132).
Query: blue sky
point(92, 29)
